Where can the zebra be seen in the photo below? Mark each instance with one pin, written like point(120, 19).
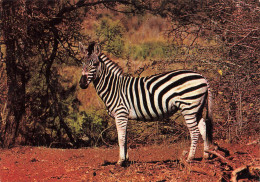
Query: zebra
point(148, 98)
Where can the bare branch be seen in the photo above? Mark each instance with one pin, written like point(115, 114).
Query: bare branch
point(81, 3)
point(253, 171)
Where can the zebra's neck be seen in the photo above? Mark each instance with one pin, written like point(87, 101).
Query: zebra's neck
point(109, 67)
point(108, 78)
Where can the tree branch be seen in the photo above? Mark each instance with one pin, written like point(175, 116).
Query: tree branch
point(81, 3)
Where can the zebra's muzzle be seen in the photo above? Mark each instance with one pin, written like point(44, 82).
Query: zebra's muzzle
point(83, 82)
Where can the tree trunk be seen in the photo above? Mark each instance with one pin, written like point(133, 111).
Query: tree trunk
point(15, 76)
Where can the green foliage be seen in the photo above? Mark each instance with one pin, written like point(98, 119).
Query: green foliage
point(91, 125)
point(151, 50)
point(111, 34)
point(86, 122)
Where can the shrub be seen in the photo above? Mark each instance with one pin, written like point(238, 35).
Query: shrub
point(111, 33)
point(151, 50)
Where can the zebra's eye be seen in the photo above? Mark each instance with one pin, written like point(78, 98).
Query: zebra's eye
point(95, 64)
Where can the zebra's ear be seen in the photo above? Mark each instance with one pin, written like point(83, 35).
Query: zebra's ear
point(82, 49)
point(97, 49)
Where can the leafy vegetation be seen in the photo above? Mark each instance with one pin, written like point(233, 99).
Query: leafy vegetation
point(111, 35)
point(151, 50)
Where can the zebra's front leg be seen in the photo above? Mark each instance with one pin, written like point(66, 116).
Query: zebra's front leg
point(121, 125)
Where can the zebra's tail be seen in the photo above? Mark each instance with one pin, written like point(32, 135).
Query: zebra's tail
point(209, 119)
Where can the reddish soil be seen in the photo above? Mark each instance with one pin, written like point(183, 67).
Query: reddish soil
point(148, 163)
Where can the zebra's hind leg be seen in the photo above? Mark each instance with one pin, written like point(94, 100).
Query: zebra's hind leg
point(202, 129)
point(194, 135)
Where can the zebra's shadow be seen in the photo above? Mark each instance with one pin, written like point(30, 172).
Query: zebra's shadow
point(168, 162)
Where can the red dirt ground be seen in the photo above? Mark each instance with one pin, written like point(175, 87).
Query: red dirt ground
point(148, 163)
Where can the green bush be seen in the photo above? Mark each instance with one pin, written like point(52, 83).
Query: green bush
point(92, 127)
point(151, 50)
point(111, 34)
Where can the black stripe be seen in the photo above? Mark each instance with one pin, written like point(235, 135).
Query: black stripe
point(120, 111)
point(193, 97)
point(155, 77)
point(143, 95)
point(131, 86)
point(112, 67)
point(137, 97)
point(126, 82)
point(113, 91)
point(195, 121)
point(107, 87)
point(190, 114)
point(153, 106)
point(184, 103)
point(102, 78)
point(190, 108)
point(115, 102)
point(107, 78)
point(105, 59)
point(191, 119)
point(193, 128)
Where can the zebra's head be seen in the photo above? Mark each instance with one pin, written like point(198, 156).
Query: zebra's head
point(91, 62)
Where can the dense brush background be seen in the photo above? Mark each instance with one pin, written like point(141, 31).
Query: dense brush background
point(224, 47)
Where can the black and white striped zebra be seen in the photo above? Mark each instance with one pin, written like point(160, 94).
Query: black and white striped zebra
point(148, 98)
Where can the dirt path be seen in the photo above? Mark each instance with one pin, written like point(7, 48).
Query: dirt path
point(149, 163)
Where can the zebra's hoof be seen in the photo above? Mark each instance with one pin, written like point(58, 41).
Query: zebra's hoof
point(185, 154)
point(190, 159)
point(124, 163)
point(206, 156)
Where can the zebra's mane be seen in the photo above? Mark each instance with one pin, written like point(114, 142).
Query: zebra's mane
point(111, 64)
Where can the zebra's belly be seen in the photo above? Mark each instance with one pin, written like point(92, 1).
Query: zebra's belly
point(133, 115)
